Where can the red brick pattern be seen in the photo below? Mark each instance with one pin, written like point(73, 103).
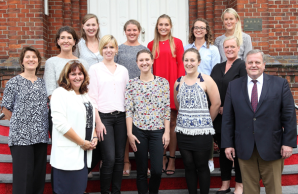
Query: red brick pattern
point(25, 25)
point(283, 27)
point(256, 9)
point(4, 41)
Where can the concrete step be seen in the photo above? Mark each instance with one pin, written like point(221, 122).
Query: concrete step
point(6, 162)
point(285, 190)
point(288, 170)
point(4, 140)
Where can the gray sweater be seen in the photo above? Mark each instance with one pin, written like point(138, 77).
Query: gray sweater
point(53, 68)
point(127, 57)
point(83, 52)
point(244, 48)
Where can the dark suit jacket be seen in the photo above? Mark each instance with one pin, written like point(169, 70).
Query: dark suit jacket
point(271, 126)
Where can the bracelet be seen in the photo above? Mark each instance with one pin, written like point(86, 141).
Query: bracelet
point(83, 144)
point(95, 137)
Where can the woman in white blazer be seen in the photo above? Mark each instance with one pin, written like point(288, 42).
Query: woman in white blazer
point(74, 135)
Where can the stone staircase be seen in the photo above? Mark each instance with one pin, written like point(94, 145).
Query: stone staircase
point(170, 184)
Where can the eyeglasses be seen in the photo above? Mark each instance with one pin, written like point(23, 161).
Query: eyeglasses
point(199, 28)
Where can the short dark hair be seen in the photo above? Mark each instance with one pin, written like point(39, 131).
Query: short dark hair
point(22, 55)
point(71, 31)
point(194, 51)
point(144, 51)
point(72, 65)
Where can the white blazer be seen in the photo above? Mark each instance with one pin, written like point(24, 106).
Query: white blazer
point(68, 111)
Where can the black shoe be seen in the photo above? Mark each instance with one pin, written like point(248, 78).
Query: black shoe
point(223, 191)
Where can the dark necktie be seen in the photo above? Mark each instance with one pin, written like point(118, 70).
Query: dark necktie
point(254, 95)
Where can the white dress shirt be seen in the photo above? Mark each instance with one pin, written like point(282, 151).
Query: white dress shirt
point(250, 85)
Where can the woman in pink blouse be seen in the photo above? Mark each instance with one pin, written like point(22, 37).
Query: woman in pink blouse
point(147, 104)
point(107, 87)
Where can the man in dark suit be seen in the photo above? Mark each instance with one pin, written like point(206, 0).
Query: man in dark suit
point(259, 122)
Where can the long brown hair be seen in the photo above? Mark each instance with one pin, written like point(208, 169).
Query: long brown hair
point(72, 65)
point(84, 20)
point(208, 36)
point(155, 48)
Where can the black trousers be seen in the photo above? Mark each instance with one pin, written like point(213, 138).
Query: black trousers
point(112, 152)
point(196, 169)
point(149, 141)
point(29, 168)
point(226, 164)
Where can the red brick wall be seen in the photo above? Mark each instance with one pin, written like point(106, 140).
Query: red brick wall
point(283, 27)
point(256, 9)
point(25, 25)
point(4, 41)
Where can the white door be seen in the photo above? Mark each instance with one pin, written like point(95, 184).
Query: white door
point(113, 14)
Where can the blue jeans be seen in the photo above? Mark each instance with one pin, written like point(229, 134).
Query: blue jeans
point(149, 141)
point(112, 151)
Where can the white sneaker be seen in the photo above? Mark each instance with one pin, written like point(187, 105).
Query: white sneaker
point(211, 165)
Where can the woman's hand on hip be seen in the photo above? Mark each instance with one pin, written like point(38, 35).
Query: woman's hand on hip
point(132, 141)
point(100, 130)
point(166, 139)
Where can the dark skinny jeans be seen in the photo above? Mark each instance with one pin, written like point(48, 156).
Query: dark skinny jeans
point(149, 141)
point(112, 152)
point(196, 169)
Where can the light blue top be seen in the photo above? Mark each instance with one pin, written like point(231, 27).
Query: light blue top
point(209, 57)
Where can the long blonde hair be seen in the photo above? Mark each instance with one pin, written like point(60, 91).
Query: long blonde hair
point(238, 29)
point(155, 48)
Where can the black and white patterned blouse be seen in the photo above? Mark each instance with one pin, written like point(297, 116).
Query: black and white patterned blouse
point(89, 121)
point(28, 103)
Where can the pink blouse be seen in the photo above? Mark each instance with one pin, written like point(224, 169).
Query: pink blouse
point(107, 89)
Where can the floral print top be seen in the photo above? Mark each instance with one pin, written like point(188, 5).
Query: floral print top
point(148, 103)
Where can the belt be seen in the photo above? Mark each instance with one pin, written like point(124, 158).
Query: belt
point(112, 113)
